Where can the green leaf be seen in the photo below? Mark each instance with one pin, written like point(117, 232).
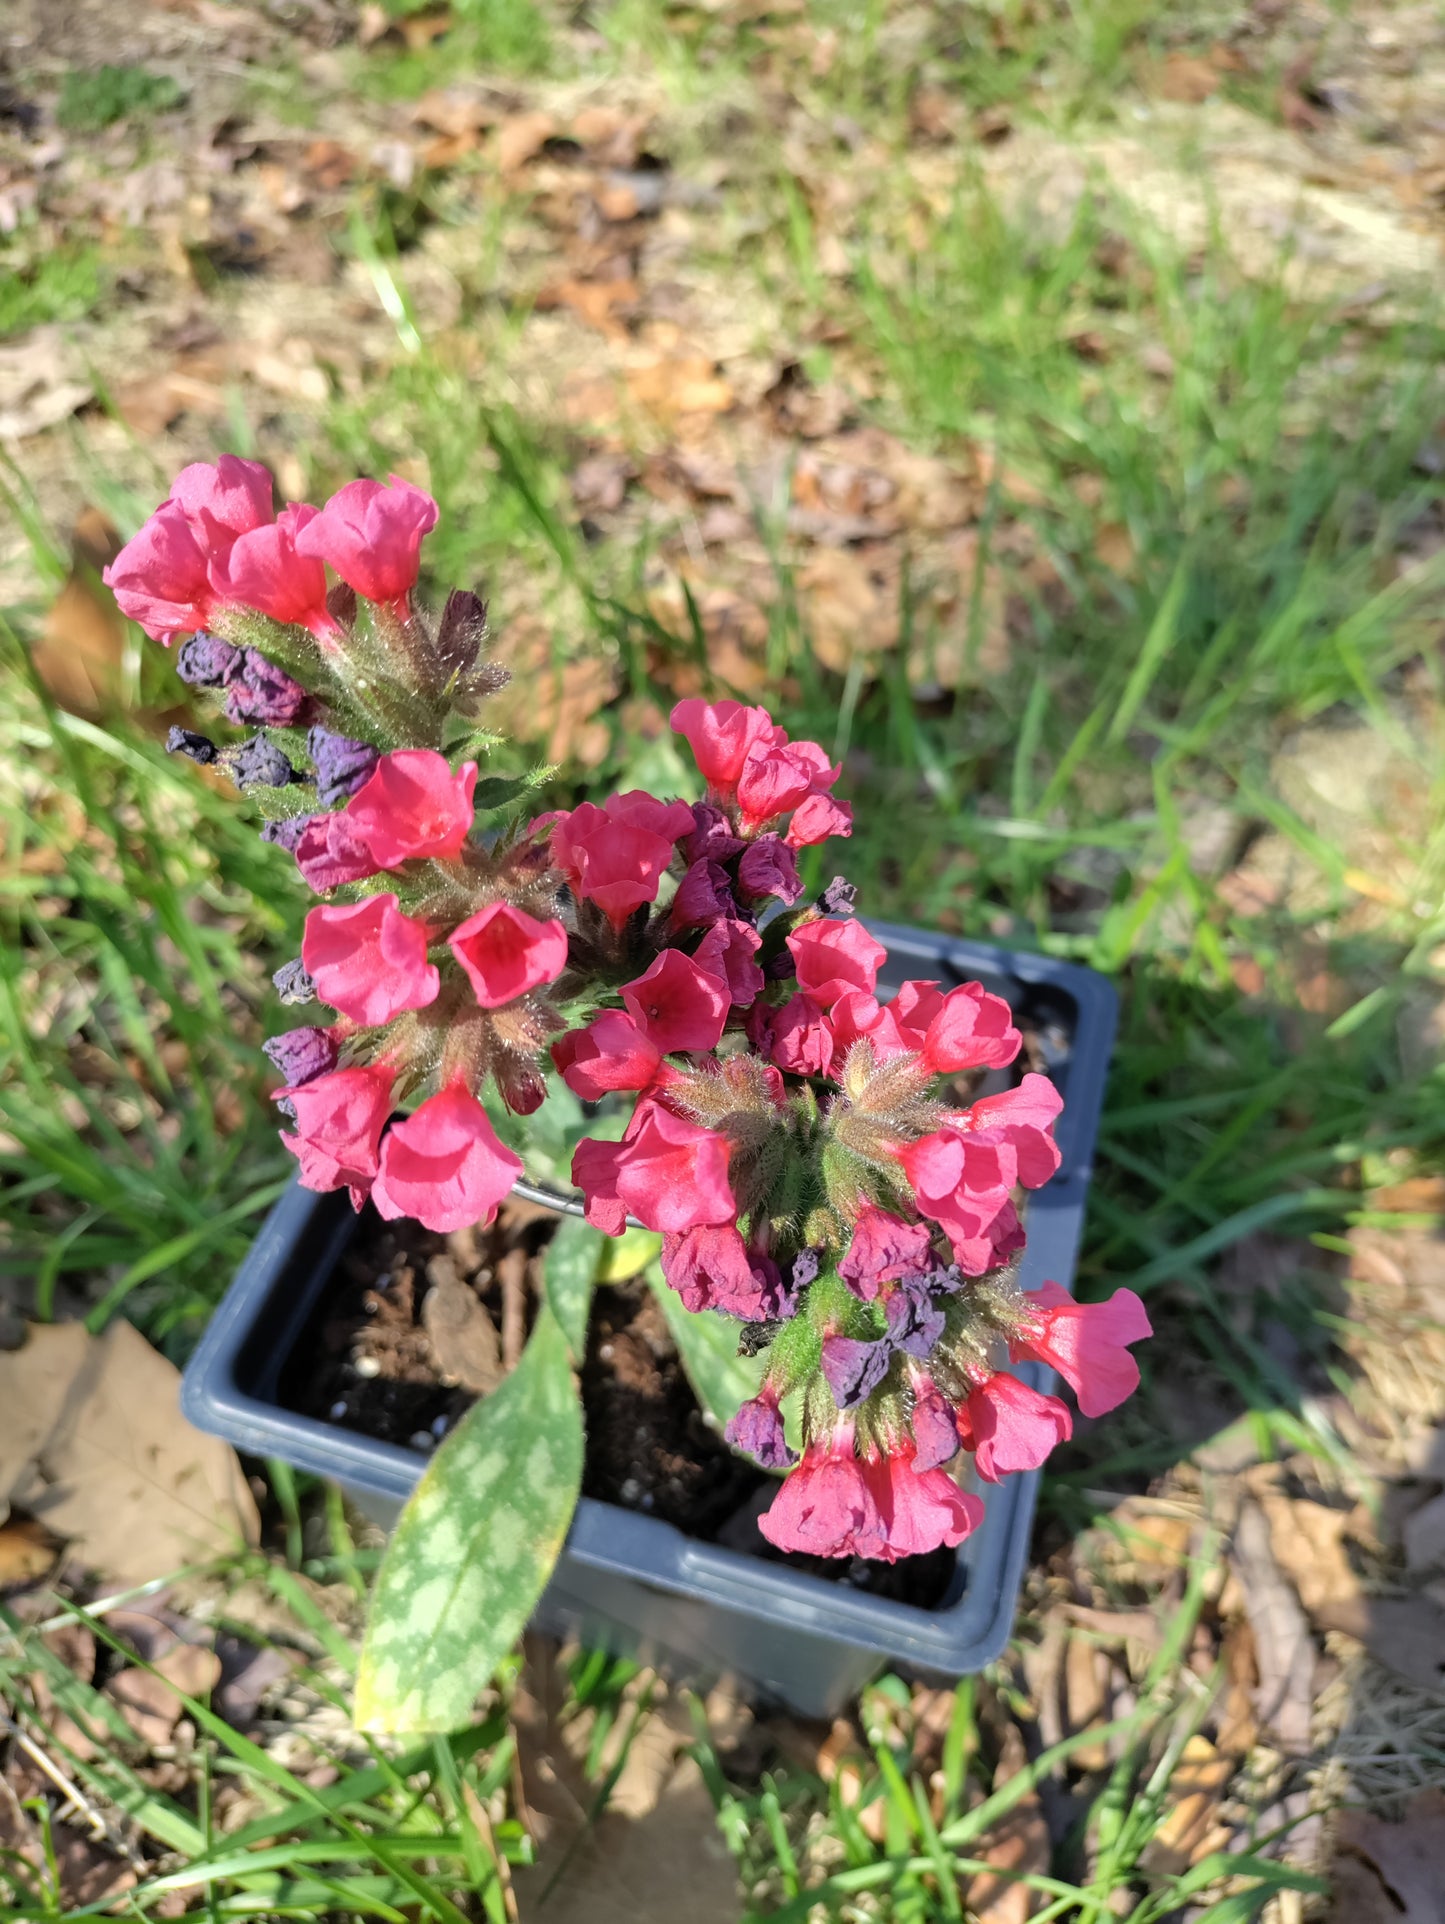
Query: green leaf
point(628, 1255)
point(496, 791)
point(708, 1344)
point(569, 1271)
point(474, 1547)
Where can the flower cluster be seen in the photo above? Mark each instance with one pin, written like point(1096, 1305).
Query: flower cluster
point(817, 1159)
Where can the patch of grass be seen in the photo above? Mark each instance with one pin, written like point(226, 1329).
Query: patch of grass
point(96, 97)
point(62, 283)
point(502, 36)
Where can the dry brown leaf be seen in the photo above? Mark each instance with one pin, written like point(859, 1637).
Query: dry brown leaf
point(683, 383)
point(1020, 1844)
point(455, 111)
point(1424, 1535)
point(1406, 1634)
point(1190, 1828)
point(150, 1704)
point(419, 30)
point(41, 383)
point(27, 1552)
point(521, 137)
point(1114, 546)
point(596, 302)
point(94, 1444)
point(846, 611)
point(1308, 1540)
point(82, 645)
point(1284, 1650)
point(462, 1335)
point(1407, 1857)
point(1186, 78)
point(1238, 1727)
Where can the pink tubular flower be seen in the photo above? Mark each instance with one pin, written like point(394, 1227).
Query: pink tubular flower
point(413, 807)
point(339, 1120)
point(224, 499)
point(615, 855)
point(1010, 1427)
point(721, 735)
point(372, 537)
point(507, 953)
point(856, 1015)
point(1086, 1343)
point(963, 1184)
point(263, 570)
point(779, 777)
point(444, 1165)
point(816, 818)
point(966, 1029)
point(926, 1509)
point(834, 1504)
point(711, 1267)
point(677, 1005)
point(330, 854)
point(159, 577)
point(727, 951)
point(668, 1173)
point(368, 960)
point(835, 956)
point(800, 1041)
point(884, 1248)
point(1023, 1120)
point(610, 1053)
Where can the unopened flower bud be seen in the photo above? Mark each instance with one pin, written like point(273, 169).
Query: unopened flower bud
point(205, 661)
point(300, 1055)
point(196, 748)
point(293, 984)
point(342, 764)
point(259, 763)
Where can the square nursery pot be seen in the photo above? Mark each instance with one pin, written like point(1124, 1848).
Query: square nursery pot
point(631, 1582)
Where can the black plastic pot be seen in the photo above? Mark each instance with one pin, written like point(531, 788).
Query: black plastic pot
point(630, 1582)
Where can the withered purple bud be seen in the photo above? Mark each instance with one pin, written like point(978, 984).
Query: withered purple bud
point(300, 1055)
point(262, 692)
point(341, 603)
point(343, 765)
point(806, 1265)
point(196, 748)
point(838, 898)
point(259, 763)
point(293, 984)
point(780, 967)
point(854, 1368)
point(712, 840)
point(757, 1430)
point(704, 895)
point(461, 631)
point(914, 1322)
point(288, 833)
point(769, 867)
point(205, 661)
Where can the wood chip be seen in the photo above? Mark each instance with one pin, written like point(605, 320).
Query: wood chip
point(462, 1335)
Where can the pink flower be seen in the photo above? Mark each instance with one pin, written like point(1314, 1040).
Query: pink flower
point(720, 735)
point(926, 1509)
point(992, 1243)
point(159, 577)
point(262, 570)
point(711, 1267)
point(339, 1120)
point(1010, 1427)
point(884, 1248)
point(1023, 1119)
point(966, 1029)
point(779, 777)
point(800, 1040)
point(368, 959)
point(331, 854)
point(668, 1173)
point(224, 499)
point(372, 537)
point(413, 807)
point(677, 1005)
point(962, 1183)
point(833, 1505)
point(816, 818)
point(444, 1165)
point(507, 953)
point(615, 855)
point(727, 951)
point(858, 1014)
point(610, 1053)
point(835, 956)
point(1086, 1343)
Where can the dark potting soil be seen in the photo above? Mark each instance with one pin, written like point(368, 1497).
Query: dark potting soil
point(416, 1326)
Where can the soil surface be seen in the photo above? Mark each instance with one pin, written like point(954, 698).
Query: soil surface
point(414, 1326)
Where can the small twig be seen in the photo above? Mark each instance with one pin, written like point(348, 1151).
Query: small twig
point(512, 1272)
point(477, 1811)
point(75, 1797)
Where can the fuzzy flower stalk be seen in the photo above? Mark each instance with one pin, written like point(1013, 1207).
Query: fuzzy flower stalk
point(815, 1157)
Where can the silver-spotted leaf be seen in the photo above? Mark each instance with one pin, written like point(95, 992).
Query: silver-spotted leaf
point(708, 1345)
point(474, 1547)
point(569, 1271)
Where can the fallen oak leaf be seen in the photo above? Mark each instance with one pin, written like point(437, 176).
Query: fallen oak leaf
point(1407, 1857)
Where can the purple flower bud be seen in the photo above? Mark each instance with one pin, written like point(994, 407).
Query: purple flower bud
point(259, 763)
point(934, 1431)
point(293, 984)
point(342, 765)
point(262, 692)
point(914, 1323)
point(197, 748)
point(769, 867)
point(757, 1430)
point(704, 895)
point(288, 833)
point(205, 661)
point(781, 966)
point(838, 898)
point(712, 840)
point(300, 1055)
point(854, 1369)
